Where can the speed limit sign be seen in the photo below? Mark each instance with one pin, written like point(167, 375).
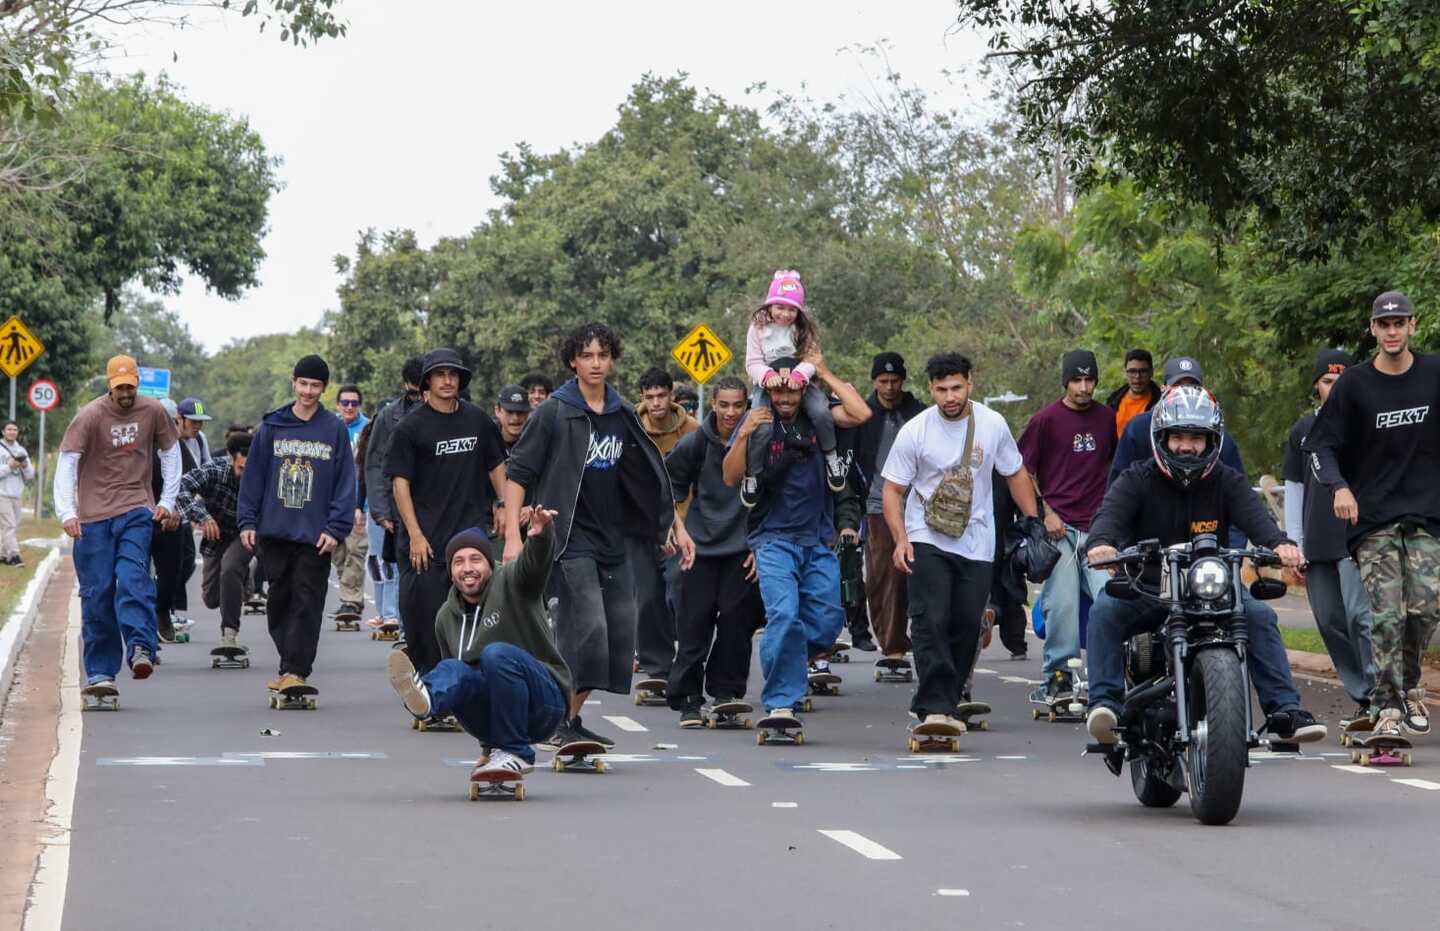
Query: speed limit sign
point(44, 396)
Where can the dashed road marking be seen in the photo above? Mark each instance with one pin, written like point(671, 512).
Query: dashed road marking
point(862, 845)
point(784, 804)
point(722, 777)
point(178, 761)
point(953, 892)
point(626, 724)
point(1419, 784)
point(986, 672)
point(1362, 770)
point(1010, 758)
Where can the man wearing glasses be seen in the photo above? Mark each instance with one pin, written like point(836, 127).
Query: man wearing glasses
point(1138, 394)
point(349, 557)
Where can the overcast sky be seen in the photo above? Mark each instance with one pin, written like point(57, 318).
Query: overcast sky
point(401, 123)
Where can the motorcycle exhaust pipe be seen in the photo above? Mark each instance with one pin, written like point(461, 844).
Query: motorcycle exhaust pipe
point(1143, 695)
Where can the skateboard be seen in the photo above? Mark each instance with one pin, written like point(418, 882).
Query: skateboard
point(1355, 729)
point(1069, 710)
point(650, 691)
point(894, 670)
point(102, 696)
point(296, 697)
point(942, 736)
point(726, 716)
point(1378, 750)
point(389, 631)
point(779, 729)
point(574, 757)
point(840, 652)
point(496, 785)
point(347, 620)
point(229, 658)
point(970, 711)
point(825, 683)
point(447, 724)
point(254, 606)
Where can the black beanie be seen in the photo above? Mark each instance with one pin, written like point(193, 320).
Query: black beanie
point(887, 363)
point(473, 537)
point(1329, 360)
point(1078, 363)
point(312, 366)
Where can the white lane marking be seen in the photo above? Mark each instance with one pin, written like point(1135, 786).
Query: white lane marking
point(1419, 784)
point(722, 777)
point(626, 724)
point(784, 804)
point(985, 672)
point(959, 892)
point(862, 845)
point(1362, 770)
point(47, 891)
point(692, 758)
point(910, 766)
point(1010, 758)
point(592, 701)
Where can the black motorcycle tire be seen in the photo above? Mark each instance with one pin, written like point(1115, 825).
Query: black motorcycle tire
point(1216, 763)
point(1152, 789)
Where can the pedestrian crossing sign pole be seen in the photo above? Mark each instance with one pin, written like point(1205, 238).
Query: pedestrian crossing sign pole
point(701, 355)
point(18, 349)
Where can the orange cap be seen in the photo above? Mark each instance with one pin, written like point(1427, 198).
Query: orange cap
point(122, 370)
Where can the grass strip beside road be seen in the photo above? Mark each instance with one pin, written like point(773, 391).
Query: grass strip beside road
point(1310, 641)
point(13, 579)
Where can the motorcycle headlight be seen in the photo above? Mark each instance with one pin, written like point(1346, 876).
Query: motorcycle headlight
point(1209, 579)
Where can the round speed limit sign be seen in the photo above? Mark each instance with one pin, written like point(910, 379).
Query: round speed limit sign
point(44, 396)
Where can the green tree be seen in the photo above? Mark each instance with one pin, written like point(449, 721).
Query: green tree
point(155, 337)
point(249, 377)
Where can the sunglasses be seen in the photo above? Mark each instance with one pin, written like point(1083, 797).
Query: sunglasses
point(348, 403)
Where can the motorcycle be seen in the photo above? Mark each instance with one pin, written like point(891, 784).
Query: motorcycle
point(1186, 724)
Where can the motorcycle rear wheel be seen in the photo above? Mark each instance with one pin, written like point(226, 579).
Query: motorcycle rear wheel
point(1218, 753)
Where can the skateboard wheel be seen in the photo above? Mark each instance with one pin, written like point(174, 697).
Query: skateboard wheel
point(842, 658)
point(600, 766)
point(215, 663)
point(746, 723)
point(1404, 759)
point(879, 676)
point(639, 699)
point(519, 793)
point(474, 791)
point(710, 723)
point(1034, 714)
point(914, 745)
point(799, 739)
point(245, 663)
point(1360, 758)
point(309, 704)
point(760, 739)
point(955, 746)
point(556, 765)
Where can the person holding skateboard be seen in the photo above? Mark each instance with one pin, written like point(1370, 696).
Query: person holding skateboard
point(208, 498)
point(938, 506)
point(1373, 447)
point(104, 500)
point(501, 674)
point(297, 501)
point(790, 529)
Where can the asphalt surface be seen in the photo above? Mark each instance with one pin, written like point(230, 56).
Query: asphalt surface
point(185, 815)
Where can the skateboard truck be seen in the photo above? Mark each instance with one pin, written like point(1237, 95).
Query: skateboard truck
point(347, 621)
point(100, 697)
point(294, 698)
point(496, 786)
point(229, 658)
point(576, 758)
point(889, 669)
point(726, 716)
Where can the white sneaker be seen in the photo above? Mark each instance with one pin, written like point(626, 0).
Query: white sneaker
point(1101, 724)
point(407, 684)
point(945, 719)
point(503, 761)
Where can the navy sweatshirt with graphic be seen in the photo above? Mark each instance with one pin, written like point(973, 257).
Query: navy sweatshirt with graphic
point(299, 479)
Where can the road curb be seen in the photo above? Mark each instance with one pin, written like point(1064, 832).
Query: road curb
point(1319, 665)
point(17, 628)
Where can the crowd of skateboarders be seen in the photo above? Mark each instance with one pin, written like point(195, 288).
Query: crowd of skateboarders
point(568, 540)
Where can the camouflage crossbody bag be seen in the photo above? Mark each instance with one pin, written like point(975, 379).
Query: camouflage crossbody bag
point(947, 510)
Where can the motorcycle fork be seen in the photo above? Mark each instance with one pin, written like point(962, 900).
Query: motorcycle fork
point(1240, 635)
point(1175, 635)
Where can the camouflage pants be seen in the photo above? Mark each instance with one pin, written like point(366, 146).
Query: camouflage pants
point(1400, 566)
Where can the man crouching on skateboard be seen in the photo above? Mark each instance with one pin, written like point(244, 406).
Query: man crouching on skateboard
point(500, 674)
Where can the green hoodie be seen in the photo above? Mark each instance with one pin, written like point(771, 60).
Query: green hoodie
point(511, 610)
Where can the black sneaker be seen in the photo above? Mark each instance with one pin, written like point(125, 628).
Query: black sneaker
point(586, 734)
point(750, 491)
point(691, 717)
point(834, 472)
point(1059, 687)
point(566, 733)
point(1296, 726)
point(864, 645)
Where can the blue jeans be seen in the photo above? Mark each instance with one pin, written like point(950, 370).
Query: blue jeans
point(1061, 596)
point(1341, 607)
point(507, 700)
point(800, 585)
point(1115, 620)
point(117, 595)
point(387, 592)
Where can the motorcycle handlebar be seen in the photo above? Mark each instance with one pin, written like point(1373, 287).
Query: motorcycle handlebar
point(1137, 555)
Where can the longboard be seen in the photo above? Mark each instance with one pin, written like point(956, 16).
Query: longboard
point(349, 620)
point(725, 716)
point(574, 757)
point(447, 724)
point(942, 736)
point(296, 698)
point(650, 691)
point(1379, 750)
point(969, 711)
point(390, 631)
point(779, 729)
point(889, 669)
point(103, 696)
point(229, 658)
point(824, 683)
point(496, 785)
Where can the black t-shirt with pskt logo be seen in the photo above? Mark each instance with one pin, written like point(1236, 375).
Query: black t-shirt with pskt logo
point(599, 528)
point(1380, 435)
point(1323, 532)
point(447, 458)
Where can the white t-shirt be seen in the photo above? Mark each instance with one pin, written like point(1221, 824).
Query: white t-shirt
point(928, 445)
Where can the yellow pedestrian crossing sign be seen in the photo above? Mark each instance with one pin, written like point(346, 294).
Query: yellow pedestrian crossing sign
point(701, 354)
point(18, 347)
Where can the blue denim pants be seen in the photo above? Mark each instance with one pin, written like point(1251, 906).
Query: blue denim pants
point(117, 595)
point(507, 701)
point(387, 587)
point(800, 585)
point(1061, 596)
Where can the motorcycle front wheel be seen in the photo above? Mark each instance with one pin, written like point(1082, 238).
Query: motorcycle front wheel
point(1215, 762)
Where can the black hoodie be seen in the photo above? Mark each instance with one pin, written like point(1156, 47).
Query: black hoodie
point(868, 434)
point(716, 519)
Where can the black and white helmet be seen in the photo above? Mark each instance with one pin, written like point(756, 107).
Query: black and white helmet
point(1190, 409)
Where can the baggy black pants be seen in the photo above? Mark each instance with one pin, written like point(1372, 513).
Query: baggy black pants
point(947, 601)
point(719, 614)
point(421, 596)
point(298, 577)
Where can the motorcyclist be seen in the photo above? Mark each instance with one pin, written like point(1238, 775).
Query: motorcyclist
point(1184, 490)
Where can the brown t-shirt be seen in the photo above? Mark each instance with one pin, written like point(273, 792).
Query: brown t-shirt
point(115, 447)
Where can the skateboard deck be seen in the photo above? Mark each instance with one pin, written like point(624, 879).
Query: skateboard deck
point(255, 606)
point(1355, 729)
point(229, 658)
point(296, 697)
point(101, 697)
point(386, 632)
point(778, 729)
point(575, 757)
point(447, 724)
point(496, 785)
point(349, 620)
point(1378, 750)
point(944, 737)
point(650, 691)
point(727, 715)
point(970, 711)
point(824, 683)
point(840, 653)
point(894, 670)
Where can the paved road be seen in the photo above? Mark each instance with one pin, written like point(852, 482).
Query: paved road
point(186, 816)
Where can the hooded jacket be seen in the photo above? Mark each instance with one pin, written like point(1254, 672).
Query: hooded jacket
point(299, 478)
point(548, 461)
point(716, 518)
point(510, 609)
point(377, 488)
point(675, 427)
point(868, 434)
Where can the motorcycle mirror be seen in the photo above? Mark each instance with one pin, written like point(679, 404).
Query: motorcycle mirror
point(1121, 588)
point(1263, 589)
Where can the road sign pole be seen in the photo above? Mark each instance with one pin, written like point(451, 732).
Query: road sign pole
point(12, 397)
point(700, 403)
point(40, 474)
